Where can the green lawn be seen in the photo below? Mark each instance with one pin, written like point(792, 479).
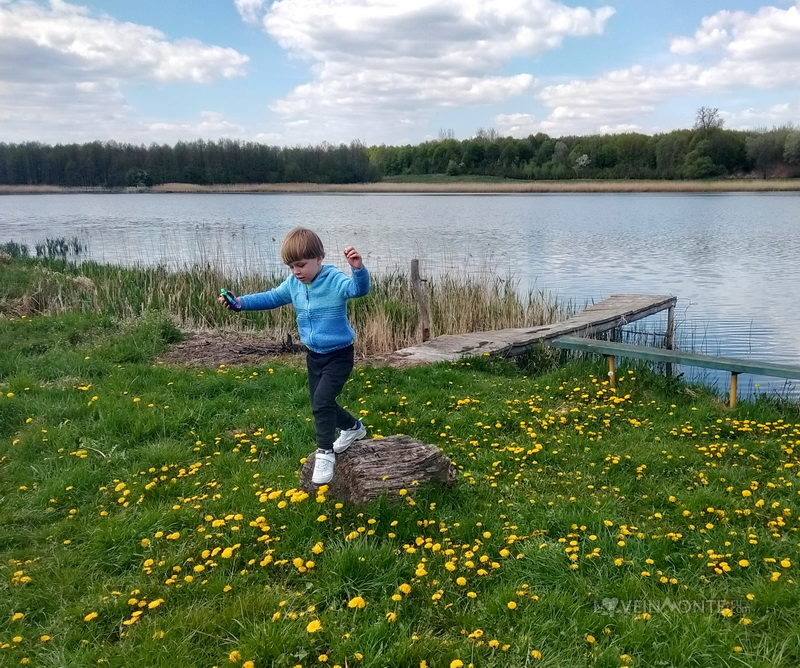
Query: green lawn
point(149, 516)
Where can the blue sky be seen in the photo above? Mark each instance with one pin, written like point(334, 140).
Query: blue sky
point(298, 72)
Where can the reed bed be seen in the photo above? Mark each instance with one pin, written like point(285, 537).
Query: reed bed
point(446, 185)
point(385, 320)
point(494, 186)
point(47, 190)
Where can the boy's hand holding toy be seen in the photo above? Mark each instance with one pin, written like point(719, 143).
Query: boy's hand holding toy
point(229, 300)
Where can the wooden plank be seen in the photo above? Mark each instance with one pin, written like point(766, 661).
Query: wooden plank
point(615, 311)
point(730, 364)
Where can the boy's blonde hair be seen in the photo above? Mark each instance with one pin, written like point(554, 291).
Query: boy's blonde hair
point(301, 244)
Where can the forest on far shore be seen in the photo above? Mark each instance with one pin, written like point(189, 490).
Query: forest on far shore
point(706, 151)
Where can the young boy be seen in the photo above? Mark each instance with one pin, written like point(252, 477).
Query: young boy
point(319, 294)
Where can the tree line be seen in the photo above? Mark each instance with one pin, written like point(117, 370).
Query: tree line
point(705, 151)
point(116, 165)
point(699, 153)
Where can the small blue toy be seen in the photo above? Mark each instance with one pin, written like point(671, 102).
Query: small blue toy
point(229, 297)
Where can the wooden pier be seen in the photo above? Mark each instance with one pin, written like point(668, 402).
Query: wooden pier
point(616, 311)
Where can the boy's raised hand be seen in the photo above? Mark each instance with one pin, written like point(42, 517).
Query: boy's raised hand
point(353, 257)
point(227, 305)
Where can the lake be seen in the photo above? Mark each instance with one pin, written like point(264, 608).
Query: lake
point(731, 258)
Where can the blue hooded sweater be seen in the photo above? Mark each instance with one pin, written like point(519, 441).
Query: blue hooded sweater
point(321, 306)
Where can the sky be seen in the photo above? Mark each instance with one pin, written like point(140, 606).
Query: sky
point(303, 72)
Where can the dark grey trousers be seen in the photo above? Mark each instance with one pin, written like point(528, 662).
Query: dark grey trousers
point(327, 374)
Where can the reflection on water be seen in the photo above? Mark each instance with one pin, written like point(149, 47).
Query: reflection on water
point(729, 257)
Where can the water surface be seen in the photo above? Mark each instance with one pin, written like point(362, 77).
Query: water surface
point(731, 258)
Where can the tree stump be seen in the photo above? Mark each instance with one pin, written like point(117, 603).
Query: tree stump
point(378, 466)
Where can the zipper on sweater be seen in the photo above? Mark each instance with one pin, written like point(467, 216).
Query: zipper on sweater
point(308, 315)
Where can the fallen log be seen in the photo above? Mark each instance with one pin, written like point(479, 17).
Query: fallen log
point(370, 468)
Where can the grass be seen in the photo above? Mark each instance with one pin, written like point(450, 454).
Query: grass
point(151, 515)
point(387, 319)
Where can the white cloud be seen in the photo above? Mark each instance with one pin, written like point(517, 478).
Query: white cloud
point(769, 33)
point(516, 125)
point(212, 125)
point(66, 40)
point(63, 68)
point(250, 10)
point(743, 51)
point(786, 113)
point(714, 31)
point(379, 64)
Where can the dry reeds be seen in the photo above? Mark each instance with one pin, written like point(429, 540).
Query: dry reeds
point(385, 320)
point(451, 186)
point(466, 187)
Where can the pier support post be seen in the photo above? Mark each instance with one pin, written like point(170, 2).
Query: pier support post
point(419, 293)
point(669, 340)
point(612, 370)
point(733, 390)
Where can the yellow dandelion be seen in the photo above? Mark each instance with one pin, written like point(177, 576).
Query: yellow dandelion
point(536, 654)
point(511, 605)
point(391, 617)
point(17, 616)
point(235, 656)
point(314, 625)
point(90, 617)
point(356, 602)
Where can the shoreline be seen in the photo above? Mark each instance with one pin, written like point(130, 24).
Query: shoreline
point(434, 187)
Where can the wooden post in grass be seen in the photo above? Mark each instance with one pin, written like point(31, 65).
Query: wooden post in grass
point(669, 340)
point(419, 293)
point(734, 388)
point(612, 370)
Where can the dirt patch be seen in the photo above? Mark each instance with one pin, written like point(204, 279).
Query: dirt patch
point(229, 348)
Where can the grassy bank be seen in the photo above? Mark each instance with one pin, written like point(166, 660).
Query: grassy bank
point(387, 319)
point(150, 516)
point(440, 183)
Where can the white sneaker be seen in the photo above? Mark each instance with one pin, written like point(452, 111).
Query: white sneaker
point(348, 436)
point(324, 462)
